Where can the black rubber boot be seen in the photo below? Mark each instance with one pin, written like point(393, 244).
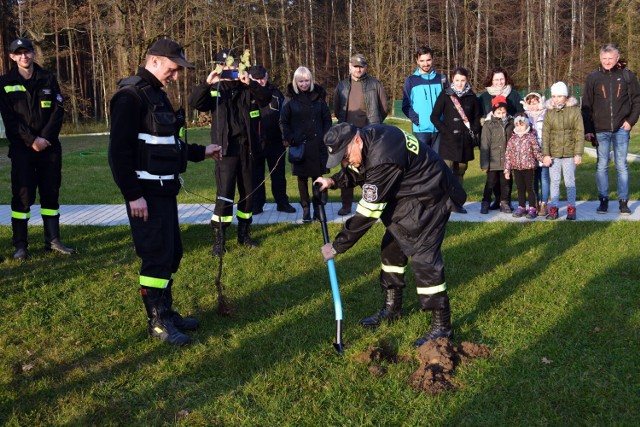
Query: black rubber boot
point(52, 236)
point(244, 236)
point(182, 323)
point(20, 238)
point(218, 239)
point(604, 205)
point(438, 304)
point(160, 324)
point(391, 309)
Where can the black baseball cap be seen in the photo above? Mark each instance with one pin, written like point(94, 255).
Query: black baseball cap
point(170, 49)
point(337, 139)
point(20, 43)
point(223, 54)
point(258, 72)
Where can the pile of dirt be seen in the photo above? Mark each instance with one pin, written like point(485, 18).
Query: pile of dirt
point(438, 361)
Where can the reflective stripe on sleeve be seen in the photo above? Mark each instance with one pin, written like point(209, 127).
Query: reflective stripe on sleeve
point(223, 219)
point(431, 289)
point(370, 210)
point(153, 282)
point(16, 88)
point(49, 212)
point(394, 269)
point(20, 215)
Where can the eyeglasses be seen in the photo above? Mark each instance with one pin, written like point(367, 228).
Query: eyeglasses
point(23, 53)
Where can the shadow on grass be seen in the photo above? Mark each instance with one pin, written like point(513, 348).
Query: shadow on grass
point(274, 321)
point(581, 369)
point(284, 310)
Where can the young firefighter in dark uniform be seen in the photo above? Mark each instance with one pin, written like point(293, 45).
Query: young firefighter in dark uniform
point(269, 148)
point(31, 106)
point(235, 104)
point(146, 158)
point(407, 186)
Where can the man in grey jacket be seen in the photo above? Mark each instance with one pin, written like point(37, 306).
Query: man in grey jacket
point(359, 100)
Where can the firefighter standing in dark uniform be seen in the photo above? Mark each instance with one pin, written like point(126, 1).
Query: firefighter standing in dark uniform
point(31, 106)
point(269, 148)
point(234, 102)
point(410, 189)
point(146, 158)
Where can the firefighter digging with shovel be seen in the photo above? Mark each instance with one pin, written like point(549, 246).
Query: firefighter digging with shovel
point(409, 188)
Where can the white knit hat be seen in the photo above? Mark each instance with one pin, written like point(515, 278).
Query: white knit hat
point(559, 88)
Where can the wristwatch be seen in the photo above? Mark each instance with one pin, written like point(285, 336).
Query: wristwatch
point(333, 251)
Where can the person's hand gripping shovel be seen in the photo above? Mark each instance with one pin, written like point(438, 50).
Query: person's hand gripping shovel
point(319, 200)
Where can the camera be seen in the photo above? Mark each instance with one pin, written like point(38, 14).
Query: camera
point(229, 74)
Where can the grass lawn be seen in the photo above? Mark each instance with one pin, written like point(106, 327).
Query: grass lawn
point(561, 319)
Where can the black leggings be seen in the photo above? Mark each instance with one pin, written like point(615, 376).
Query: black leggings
point(524, 182)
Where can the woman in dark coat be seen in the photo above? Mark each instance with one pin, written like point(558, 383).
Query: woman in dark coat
point(498, 82)
point(456, 141)
point(304, 119)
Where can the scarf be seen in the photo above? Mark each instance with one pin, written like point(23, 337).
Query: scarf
point(464, 90)
point(505, 91)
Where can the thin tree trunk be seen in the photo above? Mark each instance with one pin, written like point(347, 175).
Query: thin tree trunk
point(266, 24)
point(73, 97)
point(285, 48)
point(572, 40)
point(313, 38)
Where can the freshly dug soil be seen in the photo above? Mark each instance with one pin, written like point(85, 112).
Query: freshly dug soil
point(438, 361)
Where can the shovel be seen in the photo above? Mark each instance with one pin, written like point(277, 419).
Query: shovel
point(319, 200)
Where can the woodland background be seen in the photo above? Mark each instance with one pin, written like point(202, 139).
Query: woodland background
point(92, 44)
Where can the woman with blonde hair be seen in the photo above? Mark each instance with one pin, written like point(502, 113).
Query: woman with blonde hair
point(304, 119)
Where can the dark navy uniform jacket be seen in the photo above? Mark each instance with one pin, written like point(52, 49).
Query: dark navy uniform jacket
point(404, 183)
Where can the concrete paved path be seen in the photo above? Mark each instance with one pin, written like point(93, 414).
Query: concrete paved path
point(107, 215)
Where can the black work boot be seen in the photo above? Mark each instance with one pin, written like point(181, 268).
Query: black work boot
point(438, 304)
point(604, 205)
point(20, 238)
point(391, 309)
point(182, 323)
point(218, 239)
point(624, 209)
point(244, 236)
point(52, 236)
point(161, 325)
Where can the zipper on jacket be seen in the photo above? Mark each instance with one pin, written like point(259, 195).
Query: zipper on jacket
point(611, 99)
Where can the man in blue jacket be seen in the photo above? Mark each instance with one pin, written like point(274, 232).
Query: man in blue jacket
point(419, 95)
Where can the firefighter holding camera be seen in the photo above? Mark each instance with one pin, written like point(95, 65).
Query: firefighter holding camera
point(234, 100)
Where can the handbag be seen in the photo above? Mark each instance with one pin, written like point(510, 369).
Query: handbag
point(475, 140)
point(296, 153)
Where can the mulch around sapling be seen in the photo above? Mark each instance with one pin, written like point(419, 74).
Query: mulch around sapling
point(438, 362)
